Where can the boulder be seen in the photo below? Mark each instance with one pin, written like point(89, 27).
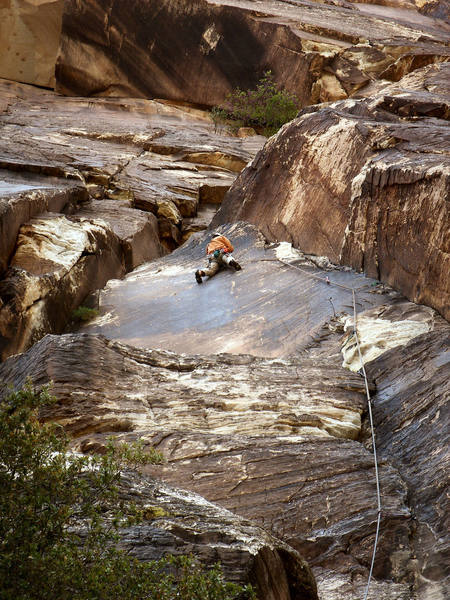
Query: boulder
point(58, 261)
point(319, 51)
point(23, 195)
point(180, 522)
point(364, 182)
point(137, 230)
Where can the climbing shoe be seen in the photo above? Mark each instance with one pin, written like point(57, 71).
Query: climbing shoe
point(198, 276)
point(236, 266)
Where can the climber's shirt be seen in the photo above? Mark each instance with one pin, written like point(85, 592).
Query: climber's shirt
point(219, 243)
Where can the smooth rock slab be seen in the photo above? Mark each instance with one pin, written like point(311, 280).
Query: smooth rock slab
point(267, 309)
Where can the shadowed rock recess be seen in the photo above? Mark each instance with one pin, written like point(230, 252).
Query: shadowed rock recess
point(249, 384)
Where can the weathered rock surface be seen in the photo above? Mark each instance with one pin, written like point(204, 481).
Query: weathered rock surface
point(364, 182)
point(180, 522)
point(146, 152)
point(137, 230)
point(265, 439)
point(59, 260)
point(411, 420)
point(24, 195)
point(29, 39)
point(267, 309)
point(145, 168)
point(274, 440)
point(320, 51)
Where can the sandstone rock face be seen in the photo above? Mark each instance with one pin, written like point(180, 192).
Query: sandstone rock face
point(145, 152)
point(254, 452)
point(270, 440)
point(319, 51)
point(136, 229)
point(57, 263)
point(364, 182)
point(138, 171)
point(23, 196)
point(185, 523)
point(267, 309)
point(411, 424)
point(30, 34)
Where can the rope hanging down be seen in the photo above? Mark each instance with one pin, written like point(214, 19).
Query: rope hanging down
point(369, 405)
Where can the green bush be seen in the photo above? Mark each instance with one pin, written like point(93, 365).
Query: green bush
point(60, 517)
point(265, 108)
point(83, 313)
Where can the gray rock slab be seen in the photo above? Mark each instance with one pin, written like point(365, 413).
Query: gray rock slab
point(266, 309)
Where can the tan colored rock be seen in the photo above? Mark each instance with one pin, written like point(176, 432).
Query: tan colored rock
point(246, 132)
point(230, 43)
point(364, 182)
point(168, 210)
point(57, 263)
point(30, 33)
point(23, 196)
point(137, 230)
point(326, 89)
point(383, 328)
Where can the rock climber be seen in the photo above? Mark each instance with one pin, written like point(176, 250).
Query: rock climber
point(218, 252)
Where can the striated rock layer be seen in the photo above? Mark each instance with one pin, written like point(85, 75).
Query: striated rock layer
point(319, 51)
point(411, 421)
point(276, 440)
point(364, 182)
point(91, 189)
point(269, 442)
point(180, 522)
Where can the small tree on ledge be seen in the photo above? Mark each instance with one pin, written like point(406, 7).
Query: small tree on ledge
point(265, 108)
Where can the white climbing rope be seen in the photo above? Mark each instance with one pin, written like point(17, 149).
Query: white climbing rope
point(327, 281)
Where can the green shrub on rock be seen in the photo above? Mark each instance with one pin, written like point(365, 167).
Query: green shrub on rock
point(84, 313)
point(265, 108)
point(60, 517)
